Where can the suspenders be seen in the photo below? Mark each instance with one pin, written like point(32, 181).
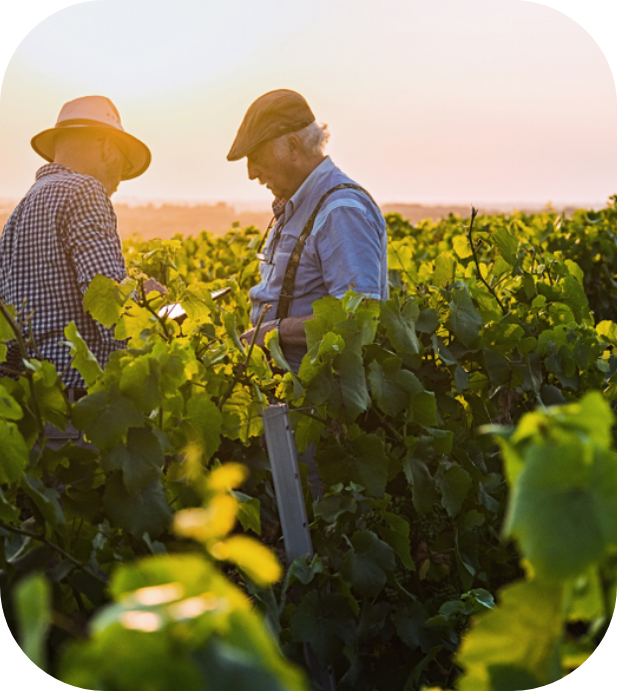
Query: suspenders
point(289, 279)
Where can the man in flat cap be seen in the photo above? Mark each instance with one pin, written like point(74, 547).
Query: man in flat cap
point(329, 234)
point(64, 231)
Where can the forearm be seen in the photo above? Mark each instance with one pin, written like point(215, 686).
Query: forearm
point(291, 330)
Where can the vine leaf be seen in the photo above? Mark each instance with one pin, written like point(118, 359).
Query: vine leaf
point(326, 623)
point(105, 417)
point(105, 298)
point(464, 320)
point(499, 653)
point(506, 244)
point(140, 459)
point(83, 360)
point(365, 463)
point(145, 512)
point(366, 563)
point(400, 325)
point(13, 452)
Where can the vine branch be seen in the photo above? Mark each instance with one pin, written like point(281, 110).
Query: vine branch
point(56, 548)
point(28, 372)
point(474, 213)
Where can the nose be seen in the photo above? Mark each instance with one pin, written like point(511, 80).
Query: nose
point(252, 169)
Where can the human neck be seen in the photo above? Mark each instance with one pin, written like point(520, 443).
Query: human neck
point(303, 170)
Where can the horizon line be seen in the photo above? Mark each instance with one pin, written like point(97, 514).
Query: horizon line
point(255, 205)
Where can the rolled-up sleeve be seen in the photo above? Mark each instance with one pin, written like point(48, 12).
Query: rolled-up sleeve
point(350, 245)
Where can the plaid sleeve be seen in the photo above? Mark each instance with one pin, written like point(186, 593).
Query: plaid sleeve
point(92, 242)
point(91, 236)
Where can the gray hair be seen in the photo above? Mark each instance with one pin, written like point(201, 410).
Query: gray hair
point(313, 139)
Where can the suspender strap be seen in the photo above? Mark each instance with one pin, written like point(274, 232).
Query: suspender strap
point(289, 279)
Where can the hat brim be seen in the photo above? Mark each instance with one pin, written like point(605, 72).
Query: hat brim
point(272, 115)
point(243, 146)
point(136, 152)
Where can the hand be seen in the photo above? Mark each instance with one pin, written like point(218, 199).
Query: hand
point(247, 336)
point(153, 285)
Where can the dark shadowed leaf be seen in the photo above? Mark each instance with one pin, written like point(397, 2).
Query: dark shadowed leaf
point(145, 512)
point(13, 452)
point(411, 628)
point(366, 463)
point(400, 325)
point(455, 485)
point(421, 481)
point(325, 622)
point(105, 417)
point(464, 321)
point(367, 562)
point(140, 459)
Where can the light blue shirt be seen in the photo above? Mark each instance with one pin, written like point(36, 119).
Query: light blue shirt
point(348, 247)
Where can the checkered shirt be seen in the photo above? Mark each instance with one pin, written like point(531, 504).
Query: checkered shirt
point(62, 233)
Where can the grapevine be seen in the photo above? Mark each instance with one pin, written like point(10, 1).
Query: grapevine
point(494, 323)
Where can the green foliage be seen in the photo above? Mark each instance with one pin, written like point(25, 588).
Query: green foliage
point(561, 510)
point(33, 605)
point(425, 520)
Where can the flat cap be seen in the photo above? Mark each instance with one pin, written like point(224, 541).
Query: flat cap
point(271, 115)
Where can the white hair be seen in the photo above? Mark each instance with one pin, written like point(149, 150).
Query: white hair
point(313, 139)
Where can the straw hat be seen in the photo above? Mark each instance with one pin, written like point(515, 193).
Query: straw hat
point(97, 113)
point(271, 115)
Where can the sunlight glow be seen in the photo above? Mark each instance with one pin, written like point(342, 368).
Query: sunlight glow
point(159, 594)
point(141, 621)
point(193, 607)
point(426, 102)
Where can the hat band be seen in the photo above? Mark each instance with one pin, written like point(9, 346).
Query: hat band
point(86, 123)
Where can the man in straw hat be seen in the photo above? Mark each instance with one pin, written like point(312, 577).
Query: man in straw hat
point(329, 234)
point(64, 232)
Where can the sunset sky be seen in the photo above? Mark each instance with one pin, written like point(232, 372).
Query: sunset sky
point(448, 101)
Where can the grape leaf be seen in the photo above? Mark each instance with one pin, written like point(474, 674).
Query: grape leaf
point(205, 422)
point(365, 463)
point(506, 243)
point(83, 360)
point(145, 512)
point(105, 417)
point(13, 452)
point(325, 622)
point(141, 459)
point(104, 298)
point(464, 320)
point(400, 326)
point(500, 653)
point(366, 563)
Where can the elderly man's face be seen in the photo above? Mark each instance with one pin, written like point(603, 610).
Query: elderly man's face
point(275, 172)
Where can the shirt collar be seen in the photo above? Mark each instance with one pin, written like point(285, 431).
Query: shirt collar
point(51, 168)
point(302, 192)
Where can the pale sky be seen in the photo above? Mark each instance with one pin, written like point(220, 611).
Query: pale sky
point(473, 101)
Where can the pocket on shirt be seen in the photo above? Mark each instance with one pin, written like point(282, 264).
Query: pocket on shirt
point(285, 247)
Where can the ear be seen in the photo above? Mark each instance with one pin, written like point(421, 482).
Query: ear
point(293, 143)
point(108, 148)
